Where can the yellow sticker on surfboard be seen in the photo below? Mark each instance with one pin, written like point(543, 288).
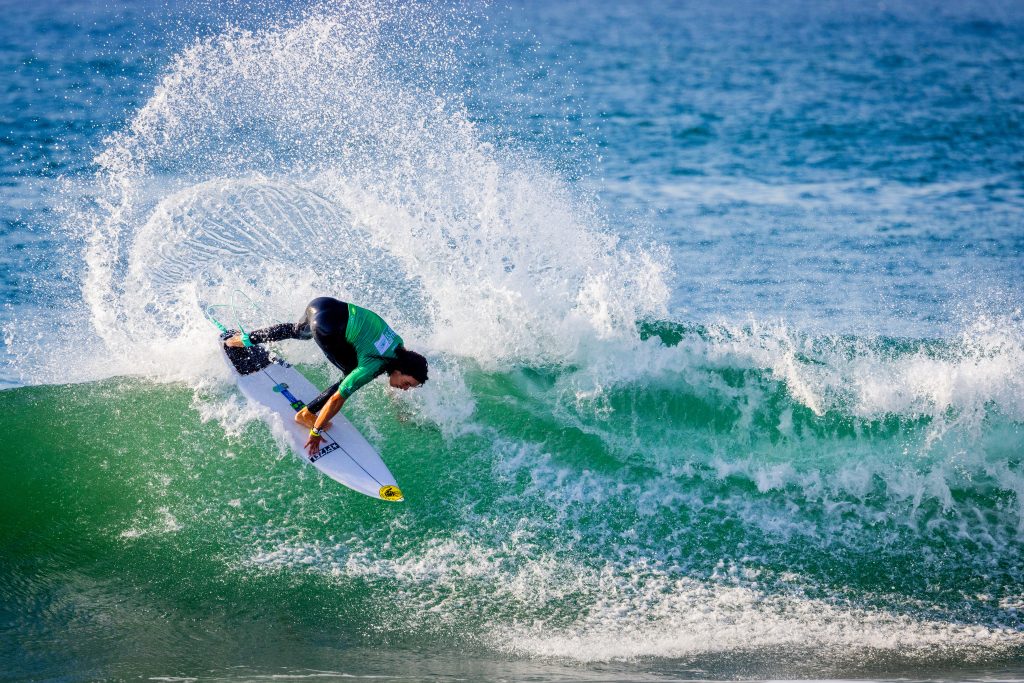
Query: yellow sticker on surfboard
point(392, 493)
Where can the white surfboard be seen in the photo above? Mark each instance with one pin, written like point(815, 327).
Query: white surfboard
point(345, 455)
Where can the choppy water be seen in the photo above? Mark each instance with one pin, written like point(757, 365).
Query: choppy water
point(723, 304)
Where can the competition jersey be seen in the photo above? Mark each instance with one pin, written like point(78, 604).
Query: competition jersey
point(375, 345)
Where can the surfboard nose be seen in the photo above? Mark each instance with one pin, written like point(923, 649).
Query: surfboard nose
point(391, 493)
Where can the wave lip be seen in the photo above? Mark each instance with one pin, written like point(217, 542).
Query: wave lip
point(334, 152)
point(597, 483)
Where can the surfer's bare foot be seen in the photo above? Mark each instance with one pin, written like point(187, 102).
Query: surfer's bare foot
point(307, 419)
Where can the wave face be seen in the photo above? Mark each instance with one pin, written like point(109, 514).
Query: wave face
point(592, 486)
point(853, 508)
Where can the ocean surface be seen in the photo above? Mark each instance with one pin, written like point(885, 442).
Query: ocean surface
point(723, 303)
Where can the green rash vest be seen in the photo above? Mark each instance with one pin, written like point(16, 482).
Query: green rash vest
point(375, 345)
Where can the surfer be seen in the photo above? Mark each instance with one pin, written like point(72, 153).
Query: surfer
point(356, 341)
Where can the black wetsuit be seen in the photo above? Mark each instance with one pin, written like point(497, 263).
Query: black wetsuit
point(324, 321)
point(361, 351)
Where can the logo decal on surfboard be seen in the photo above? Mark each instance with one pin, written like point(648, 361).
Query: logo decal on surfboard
point(282, 389)
point(351, 460)
point(389, 492)
point(324, 451)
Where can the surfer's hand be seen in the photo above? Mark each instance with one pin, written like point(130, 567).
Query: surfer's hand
point(235, 341)
point(313, 444)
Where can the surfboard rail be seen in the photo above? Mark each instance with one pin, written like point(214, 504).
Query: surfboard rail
point(345, 455)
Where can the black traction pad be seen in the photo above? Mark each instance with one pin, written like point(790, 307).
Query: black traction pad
point(246, 359)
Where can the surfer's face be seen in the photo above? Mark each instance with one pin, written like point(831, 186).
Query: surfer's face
point(400, 380)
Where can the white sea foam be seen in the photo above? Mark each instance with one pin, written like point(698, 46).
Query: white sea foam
point(295, 162)
point(623, 611)
point(167, 523)
point(300, 160)
point(550, 570)
point(659, 616)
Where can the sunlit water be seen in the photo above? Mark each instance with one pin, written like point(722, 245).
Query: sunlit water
point(722, 303)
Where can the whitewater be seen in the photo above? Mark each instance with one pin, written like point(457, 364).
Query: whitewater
point(724, 319)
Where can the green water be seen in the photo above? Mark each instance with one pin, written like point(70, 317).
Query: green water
point(146, 530)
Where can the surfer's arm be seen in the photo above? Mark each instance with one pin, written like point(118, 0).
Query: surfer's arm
point(330, 409)
point(356, 379)
point(353, 380)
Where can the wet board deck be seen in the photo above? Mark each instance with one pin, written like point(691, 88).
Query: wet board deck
point(345, 455)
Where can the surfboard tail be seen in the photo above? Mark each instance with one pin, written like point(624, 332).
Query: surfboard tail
point(245, 359)
point(345, 456)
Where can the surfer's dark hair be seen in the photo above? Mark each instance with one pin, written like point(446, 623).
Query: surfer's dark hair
point(409, 363)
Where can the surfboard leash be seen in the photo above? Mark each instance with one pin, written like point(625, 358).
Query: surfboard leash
point(208, 314)
point(235, 306)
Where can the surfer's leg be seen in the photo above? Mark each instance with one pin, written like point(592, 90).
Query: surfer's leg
point(276, 333)
point(328, 320)
point(325, 321)
point(298, 330)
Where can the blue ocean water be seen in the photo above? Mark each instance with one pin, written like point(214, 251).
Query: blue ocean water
point(723, 303)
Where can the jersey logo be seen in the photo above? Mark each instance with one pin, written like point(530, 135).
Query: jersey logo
point(384, 343)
